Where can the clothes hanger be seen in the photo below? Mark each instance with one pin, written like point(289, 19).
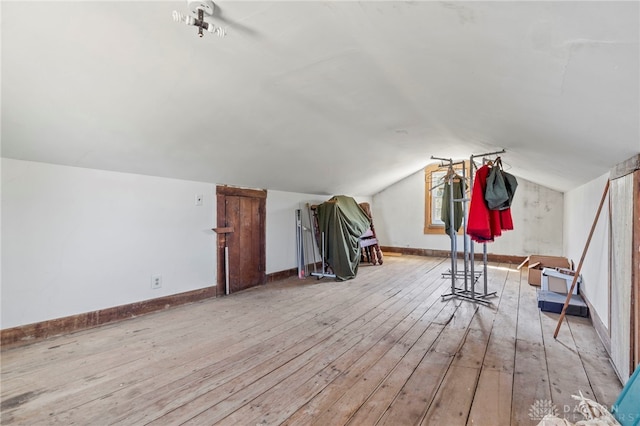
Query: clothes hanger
point(488, 162)
point(498, 162)
point(451, 173)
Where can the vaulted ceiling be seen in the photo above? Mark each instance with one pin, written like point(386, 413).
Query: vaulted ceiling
point(322, 97)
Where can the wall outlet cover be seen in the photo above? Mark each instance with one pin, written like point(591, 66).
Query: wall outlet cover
point(156, 281)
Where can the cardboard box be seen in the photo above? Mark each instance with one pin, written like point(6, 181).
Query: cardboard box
point(559, 280)
point(537, 262)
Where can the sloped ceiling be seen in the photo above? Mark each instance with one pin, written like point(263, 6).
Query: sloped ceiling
point(322, 97)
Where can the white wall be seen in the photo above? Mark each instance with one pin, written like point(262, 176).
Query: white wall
point(581, 205)
point(281, 227)
point(77, 240)
point(537, 213)
point(1, 244)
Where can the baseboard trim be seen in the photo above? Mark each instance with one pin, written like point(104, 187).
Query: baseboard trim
point(31, 333)
point(598, 325)
point(446, 253)
point(288, 273)
point(281, 275)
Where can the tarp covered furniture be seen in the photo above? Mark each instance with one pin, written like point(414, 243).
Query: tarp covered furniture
point(343, 222)
point(369, 240)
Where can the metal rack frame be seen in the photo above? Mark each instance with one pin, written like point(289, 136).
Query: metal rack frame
point(468, 276)
point(324, 272)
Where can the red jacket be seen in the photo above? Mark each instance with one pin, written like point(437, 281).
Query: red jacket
point(484, 224)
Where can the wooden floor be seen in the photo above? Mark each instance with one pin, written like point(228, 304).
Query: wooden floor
point(382, 349)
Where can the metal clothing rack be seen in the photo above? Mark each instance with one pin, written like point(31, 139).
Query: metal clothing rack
point(469, 276)
point(324, 272)
point(303, 269)
point(301, 250)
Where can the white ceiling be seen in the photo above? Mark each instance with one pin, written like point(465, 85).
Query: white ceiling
point(322, 97)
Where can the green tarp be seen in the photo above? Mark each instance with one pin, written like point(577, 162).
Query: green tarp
point(343, 222)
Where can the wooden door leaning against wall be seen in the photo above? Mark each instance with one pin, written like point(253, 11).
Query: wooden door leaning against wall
point(241, 228)
point(624, 267)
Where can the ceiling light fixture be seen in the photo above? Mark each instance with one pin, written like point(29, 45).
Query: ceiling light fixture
point(199, 8)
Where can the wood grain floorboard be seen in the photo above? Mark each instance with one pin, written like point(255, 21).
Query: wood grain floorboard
point(595, 361)
point(530, 377)
point(382, 349)
point(566, 372)
point(456, 393)
point(492, 399)
point(388, 324)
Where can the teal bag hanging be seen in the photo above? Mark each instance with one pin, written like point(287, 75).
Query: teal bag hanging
point(501, 187)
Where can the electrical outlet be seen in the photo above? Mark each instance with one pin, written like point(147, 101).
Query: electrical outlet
point(156, 281)
point(199, 199)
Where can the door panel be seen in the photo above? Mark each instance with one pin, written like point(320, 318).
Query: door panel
point(621, 275)
point(242, 211)
point(232, 210)
point(250, 267)
point(244, 243)
point(635, 270)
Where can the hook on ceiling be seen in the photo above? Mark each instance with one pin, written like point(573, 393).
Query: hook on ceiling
point(200, 8)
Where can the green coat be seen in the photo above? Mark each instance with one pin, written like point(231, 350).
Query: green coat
point(445, 215)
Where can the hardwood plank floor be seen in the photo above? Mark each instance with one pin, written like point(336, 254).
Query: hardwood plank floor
point(382, 349)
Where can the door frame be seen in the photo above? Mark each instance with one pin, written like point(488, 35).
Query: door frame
point(635, 275)
point(622, 170)
point(223, 191)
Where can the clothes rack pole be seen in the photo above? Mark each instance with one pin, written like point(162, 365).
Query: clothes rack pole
point(484, 266)
point(484, 245)
point(313, 239)
point(468, 276)
point(300, 244)
point(454, 249)
point(474, 278)
point(472, 256)
point(452, 233)
point(464, 227)
point(324, 272)
point(453, 271)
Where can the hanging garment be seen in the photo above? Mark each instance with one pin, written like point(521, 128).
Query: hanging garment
point(445, 212)
point(501, 187)
point(485, 224)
